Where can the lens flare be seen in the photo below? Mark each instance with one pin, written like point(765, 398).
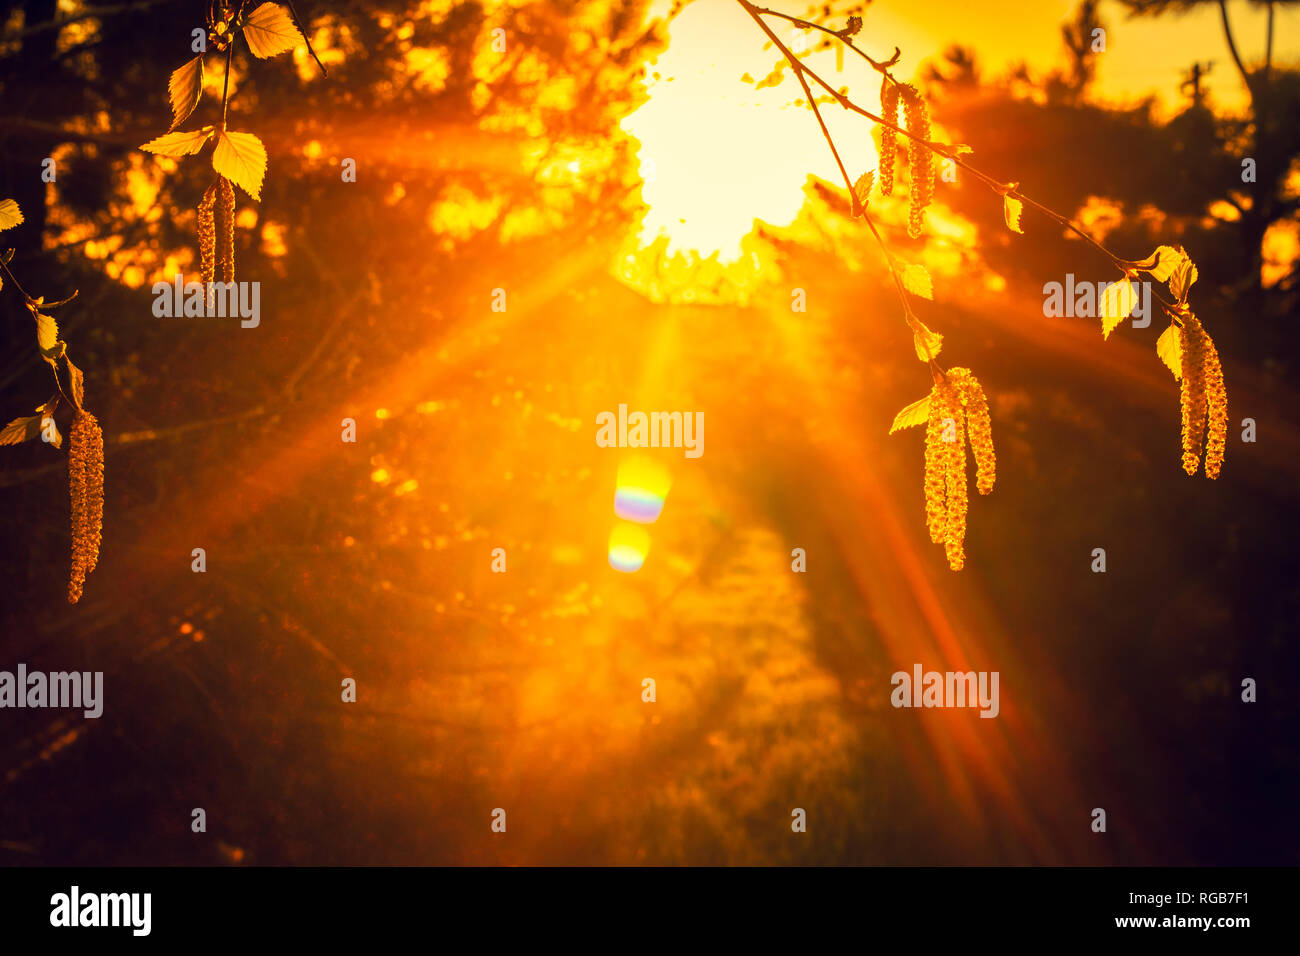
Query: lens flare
point(628, 546)
point(642, 487)
point(637, 504)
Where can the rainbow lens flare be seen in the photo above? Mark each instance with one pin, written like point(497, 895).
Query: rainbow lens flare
point(643, 485)
point(628, 546)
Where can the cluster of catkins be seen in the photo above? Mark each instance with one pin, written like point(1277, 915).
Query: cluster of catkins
point(217, 224)
point(958, 408)
point(919, 156)
point(1204, 399)
point(86, 489)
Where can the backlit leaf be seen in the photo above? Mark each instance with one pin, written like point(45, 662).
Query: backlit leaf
point(179, 144)
point(915, 414)
point(45, 414)
point(241, 158)
point(1161, 263)
point(1116, 305)
point(47, 332)
point(1011, 211)
point(1170, 349)
point(270, 31)
point(20, 430)
point(77, 381)
point(184, 89)
point(1181, 281)
point(917, 281)
point(928, 344)
point(10, 214)
point(862, 188)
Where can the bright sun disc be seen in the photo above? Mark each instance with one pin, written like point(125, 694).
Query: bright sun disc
point(716, 153)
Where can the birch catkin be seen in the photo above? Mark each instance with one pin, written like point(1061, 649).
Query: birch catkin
point(980, 429)
point(225, 230)
point(1204, 399)
point(957, 408)
point(208, 233)
point(1216, 397)
point(86, 490)
point(936, 506)
point(888, 146)
point(919, 158)
point(1193, 395)
point(955, 487)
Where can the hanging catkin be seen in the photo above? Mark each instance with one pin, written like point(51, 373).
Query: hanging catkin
point(980, 429)
point(208, 233)
point(957, 408)
point(225, 231)
point(1204, 399)
point(888, 145)
point(955, 489)
point(1216, 396)
point(1194, 408)
point(86, 491)
point(920, 160)
point(936, 507)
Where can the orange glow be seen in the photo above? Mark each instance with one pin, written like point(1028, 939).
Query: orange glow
point(792, 571)
point(1280, 251)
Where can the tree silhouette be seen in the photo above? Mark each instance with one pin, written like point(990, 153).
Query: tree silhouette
point(1268, 135)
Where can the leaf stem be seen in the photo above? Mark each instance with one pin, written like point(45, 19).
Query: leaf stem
point(306, 39)
point(225, 85)
point(17, 285)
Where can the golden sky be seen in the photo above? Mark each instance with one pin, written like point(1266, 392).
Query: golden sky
point(1146, 55)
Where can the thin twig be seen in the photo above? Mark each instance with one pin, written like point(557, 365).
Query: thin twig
point(225, 86)
point(17, 285)
point(877, 65)
point(303, 30)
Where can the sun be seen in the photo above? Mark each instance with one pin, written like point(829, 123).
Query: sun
point(716, 152)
